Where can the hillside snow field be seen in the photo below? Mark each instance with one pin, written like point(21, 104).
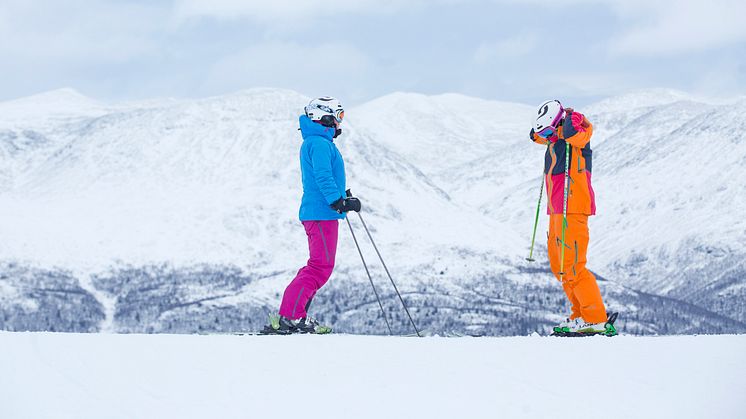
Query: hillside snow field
point(181, 215)
point(109, 376)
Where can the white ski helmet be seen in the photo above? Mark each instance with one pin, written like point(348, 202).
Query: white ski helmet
point(324, 109)
point(550, 114)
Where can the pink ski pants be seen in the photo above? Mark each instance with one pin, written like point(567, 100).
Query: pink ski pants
point(322, 247)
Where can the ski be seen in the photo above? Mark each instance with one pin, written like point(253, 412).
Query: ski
point(268, 330)
point(265, 332)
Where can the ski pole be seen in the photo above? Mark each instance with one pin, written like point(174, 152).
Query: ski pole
point(387, 272)
point(538, 208)
point(369, 277)
point(389, 275)
point(564, 208)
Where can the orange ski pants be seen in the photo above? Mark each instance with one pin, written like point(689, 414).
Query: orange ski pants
point(579, 283)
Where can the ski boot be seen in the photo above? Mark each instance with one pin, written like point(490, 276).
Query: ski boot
point(310, 325)
point(278, 325)
point(281, 325)
point(563, 326)
point(579, 327)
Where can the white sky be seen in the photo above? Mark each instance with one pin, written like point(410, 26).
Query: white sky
point(357, 50)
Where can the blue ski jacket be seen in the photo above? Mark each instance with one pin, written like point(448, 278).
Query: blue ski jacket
point(322, 171)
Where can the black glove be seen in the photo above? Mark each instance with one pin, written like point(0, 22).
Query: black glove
point(346, 204)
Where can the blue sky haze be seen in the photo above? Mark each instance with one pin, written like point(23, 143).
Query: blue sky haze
point(523, 51)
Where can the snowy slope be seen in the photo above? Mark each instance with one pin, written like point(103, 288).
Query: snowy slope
point(180, 215)
point(199, 180)
point(667, 176)
point(672, 186)
point(49, 107)
point(438, 133)
point(27, 128)
point(164, 376)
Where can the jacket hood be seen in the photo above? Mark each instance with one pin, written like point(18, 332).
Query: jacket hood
point(309, 128)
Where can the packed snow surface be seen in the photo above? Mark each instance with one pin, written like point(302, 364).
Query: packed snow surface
point(47, 375)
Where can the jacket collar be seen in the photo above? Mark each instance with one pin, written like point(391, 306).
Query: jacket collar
point(309, 128)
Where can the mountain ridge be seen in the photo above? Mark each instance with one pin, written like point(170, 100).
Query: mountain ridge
point(450, 200)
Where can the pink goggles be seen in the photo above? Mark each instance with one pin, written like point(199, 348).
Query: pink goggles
point(547, 132)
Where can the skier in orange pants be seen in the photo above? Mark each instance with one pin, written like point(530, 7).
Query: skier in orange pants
point(557, 127)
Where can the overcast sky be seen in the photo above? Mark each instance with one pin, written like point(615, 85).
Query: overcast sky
point(523, 51)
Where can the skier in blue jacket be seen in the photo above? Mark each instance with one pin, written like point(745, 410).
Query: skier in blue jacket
point(322, 205)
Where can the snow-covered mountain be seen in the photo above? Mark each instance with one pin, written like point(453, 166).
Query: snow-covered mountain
point(673, 193)
point(181, 215)
point(666, 175)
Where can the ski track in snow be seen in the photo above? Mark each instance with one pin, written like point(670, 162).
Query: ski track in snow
point(107, 301)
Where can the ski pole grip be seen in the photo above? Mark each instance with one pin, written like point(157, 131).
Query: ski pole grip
point(349, 193)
